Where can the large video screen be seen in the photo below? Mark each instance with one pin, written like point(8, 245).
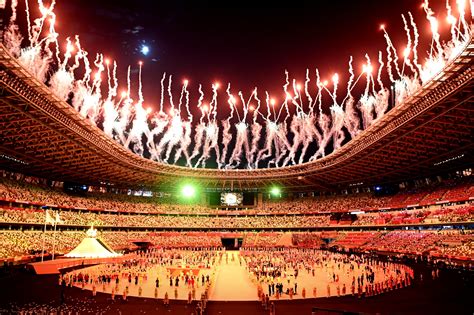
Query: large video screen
point(231, 199)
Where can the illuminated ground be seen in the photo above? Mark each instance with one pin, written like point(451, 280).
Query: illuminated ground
point(450, 294)
point(243, 285)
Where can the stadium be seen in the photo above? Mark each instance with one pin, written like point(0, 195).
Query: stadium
point(136, 189)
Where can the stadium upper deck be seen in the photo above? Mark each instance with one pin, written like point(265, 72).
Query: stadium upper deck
point(429, 133)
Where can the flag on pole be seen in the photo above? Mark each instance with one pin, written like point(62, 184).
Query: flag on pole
point(57, 219)
point(49, 219)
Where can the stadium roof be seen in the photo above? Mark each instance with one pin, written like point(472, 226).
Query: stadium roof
point(430, 133)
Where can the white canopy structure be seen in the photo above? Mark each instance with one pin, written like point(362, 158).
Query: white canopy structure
point(92, 247)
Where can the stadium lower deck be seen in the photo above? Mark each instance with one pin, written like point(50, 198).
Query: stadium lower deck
point(417, 245)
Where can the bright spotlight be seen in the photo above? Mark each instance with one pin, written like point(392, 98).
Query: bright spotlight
point(188, 191)
point(275, 191)
point(145, 50)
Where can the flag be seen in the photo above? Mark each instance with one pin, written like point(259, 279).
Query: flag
point(49, 219)
point(57, 219)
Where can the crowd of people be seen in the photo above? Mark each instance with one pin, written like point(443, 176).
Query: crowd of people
point(454, 243)
point(275, 273)
point(290, 272)
point(154, 273)
point(41, 195)
point(25, 203)
point(85, 218)
point(435, 214)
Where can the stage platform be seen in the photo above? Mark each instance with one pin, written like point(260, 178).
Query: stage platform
point(54, 266)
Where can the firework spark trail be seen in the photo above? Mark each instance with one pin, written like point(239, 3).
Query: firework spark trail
point(295, 128)
point(383, 94)
point(268, 101)
point(172, 136)
point(241, 145)
point(124, 119)
point(162, 91)
point(281, 145)
point(211, 131)
point(140, 123)
point(241, 141)
point(92, 99)
point(85, 97)
point(110, 112)
point(367, 102)
point(434, 30)
point(308, 134)
point(184, 144)
point(199, 129)
point(452, 20)
point(270, 132)
point(181, 96)
point(198, 139)
point(213, 104)
point(287, 97)
point(12, 37)
point(127, 122)
point(199, 103)
point(62, 81)
point(296, 100)
point(160, 121)
point(415, 44)
point(325, 122)
point(368, 74)
point(306, 90)
point(366, 106)
point(379, 72)
point(389, 56)
point(139, 127)
point(125, 114)
point(335, 80)
point(319, 96)
point(78, 55)
point(351, 119)
point(351, 77)
point(140, 87)
point(28, 21)
point(381, 102)
point(351, 83)
point(391, 49)
point(170, 93)
point(337, 116)
point(210, 142)
point(38, 56)
point(186, 102)
point(408, 49)
point(248, 107)
point(256, 131)
point(226, 135)
point(461, 5)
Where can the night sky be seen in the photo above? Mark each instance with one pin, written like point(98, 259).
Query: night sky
point(247, 45)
